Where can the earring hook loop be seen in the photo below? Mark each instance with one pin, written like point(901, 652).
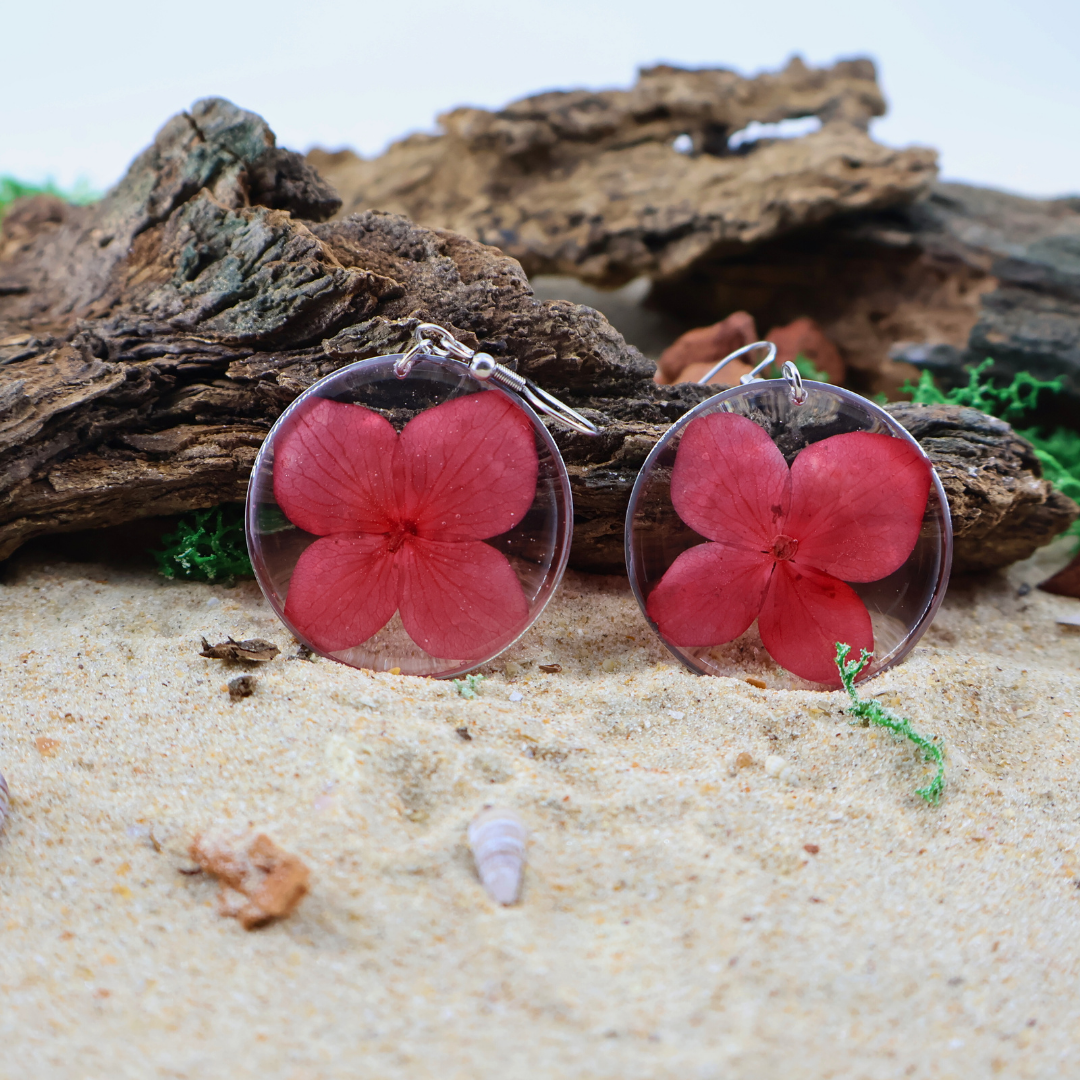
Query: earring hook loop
point(750, 376)
point(430, 339)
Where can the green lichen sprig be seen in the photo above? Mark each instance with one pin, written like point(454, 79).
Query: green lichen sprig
point(873, 712)
point(208, 545)
point(469, 687)
point(1007, 402)
point(1058, 451)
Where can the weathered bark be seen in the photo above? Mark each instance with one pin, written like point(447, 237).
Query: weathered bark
point(148, 343)
point(595, 184)
point(829, 226)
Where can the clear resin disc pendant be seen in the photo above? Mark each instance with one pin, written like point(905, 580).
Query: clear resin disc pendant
point(406, 513)
point(779, 518)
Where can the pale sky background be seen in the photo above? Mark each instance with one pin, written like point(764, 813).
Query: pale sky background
point(993, 84)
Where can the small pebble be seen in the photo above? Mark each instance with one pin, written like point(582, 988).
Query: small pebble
point(516, 695)
point(735, 762)
point(551, 669)
point(811, 849)
point(241, 687)
point(610, 665)
point(761, 684)
point(676, 715)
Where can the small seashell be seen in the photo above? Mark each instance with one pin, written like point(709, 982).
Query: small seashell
point(774, 766)
point(497, 838)
point(5, 801)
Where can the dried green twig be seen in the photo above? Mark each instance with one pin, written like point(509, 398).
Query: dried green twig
point(874, 712)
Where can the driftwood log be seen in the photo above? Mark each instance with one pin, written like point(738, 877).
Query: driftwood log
point(147, 343)
point(833, 226)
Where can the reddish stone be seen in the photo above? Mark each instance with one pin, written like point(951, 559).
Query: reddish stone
point(705, 346)
point(804, 337)
point(1066, 582)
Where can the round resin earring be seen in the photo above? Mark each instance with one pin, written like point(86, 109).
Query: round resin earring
point(411, 512)
point(781, 518)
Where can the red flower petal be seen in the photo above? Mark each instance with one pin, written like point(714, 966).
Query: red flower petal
point(730, 482)
point(805, 614)
point(857, 504)
point(470, 469)
point(332, 469)
point(344, 588)
point(460, 600)
point(710, 594)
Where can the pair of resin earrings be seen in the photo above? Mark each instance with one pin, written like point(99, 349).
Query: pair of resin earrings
point(412, 513)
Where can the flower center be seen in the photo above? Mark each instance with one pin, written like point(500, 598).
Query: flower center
point(399, 533)
point(784, 547)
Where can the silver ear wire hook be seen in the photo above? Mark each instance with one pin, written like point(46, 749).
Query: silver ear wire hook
point(750, 376)
point(431, 339)
point(789, 371)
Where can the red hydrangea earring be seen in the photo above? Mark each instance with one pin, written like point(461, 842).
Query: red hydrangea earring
point(411, 511)
point(780, 518)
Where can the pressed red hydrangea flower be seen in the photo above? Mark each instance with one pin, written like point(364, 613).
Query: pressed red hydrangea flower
point(785, 541)
point(402, 520)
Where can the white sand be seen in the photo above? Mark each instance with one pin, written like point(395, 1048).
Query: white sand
point(672, 922)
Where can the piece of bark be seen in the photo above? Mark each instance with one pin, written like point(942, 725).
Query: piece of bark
point(944, 281)
point(1002, 508)
point(594, 183)
point(252, 650)
point(144, 385)
point(1066, 582)
point(259, 881)
point(828, 226)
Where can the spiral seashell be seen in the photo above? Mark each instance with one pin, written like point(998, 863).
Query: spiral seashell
point(5, 801)
point(497, 838)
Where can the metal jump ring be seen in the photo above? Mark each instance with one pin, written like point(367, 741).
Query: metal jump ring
point(794, 380)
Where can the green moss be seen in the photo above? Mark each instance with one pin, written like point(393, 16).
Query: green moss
point(1059, 454)
point(873, 712)
point(208, 545)
point(1058, 451)
point(12, 189)
point(1017, 399)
